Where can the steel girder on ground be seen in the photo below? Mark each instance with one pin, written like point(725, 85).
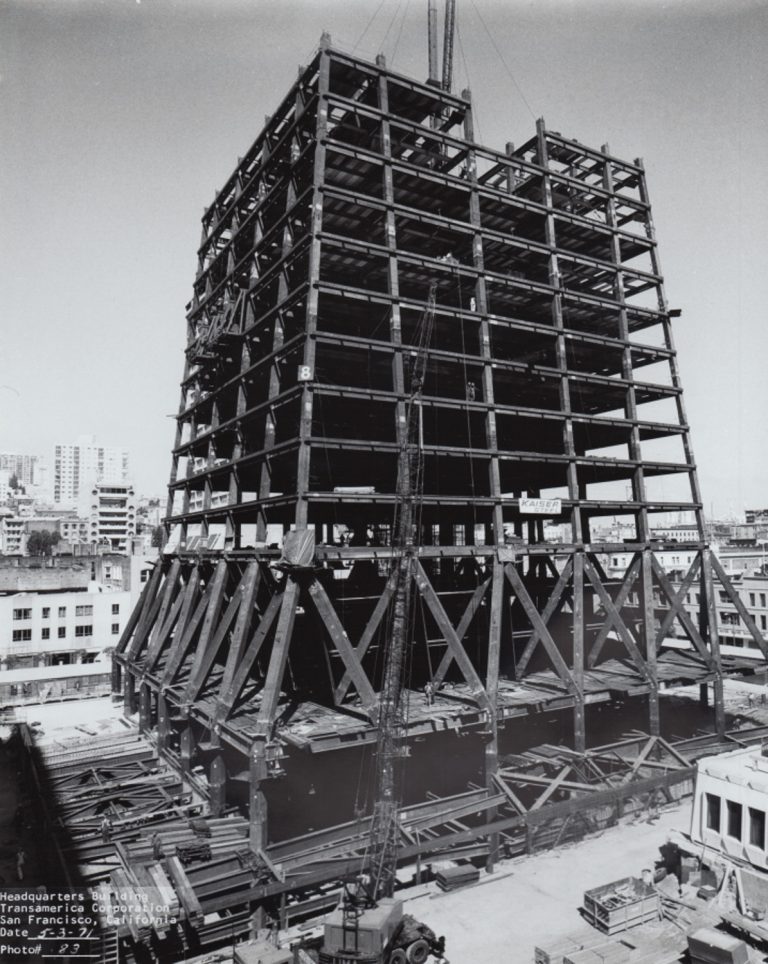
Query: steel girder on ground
point(566, 794)
point(541, 797)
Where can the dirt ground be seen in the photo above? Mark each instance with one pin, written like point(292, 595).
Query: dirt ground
point(748, 701)
point(532, 900)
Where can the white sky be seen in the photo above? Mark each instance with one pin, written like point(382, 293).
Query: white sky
point(119, 119)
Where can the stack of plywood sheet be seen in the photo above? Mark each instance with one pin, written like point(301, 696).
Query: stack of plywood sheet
point(451, 878)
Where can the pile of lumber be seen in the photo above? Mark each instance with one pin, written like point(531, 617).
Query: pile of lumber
point(661, 943)
point(564, 948)
point(611, 952)
point(458, 875)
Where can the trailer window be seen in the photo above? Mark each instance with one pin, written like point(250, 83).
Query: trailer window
point(734, 819)
point(757, 828)
point(713, 812)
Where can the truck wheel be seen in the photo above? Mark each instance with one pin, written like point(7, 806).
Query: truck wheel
point(418, 952)
point(398, 956)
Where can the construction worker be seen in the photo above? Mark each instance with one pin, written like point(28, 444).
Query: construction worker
point(21, 859)
point(471, 391)
point(429, 692)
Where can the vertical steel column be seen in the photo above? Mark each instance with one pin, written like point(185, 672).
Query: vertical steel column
point(649, 636)
point(270, 694)
point(492, 445)
point(178, 434)
point(278, 334)
point(709, 605)
point(579, 721)
point(217, 783)
point(145, 708)
point(557, 320)
point(393, 280)
point(186, 749)
point(305, 417)
point(670, 344)
point(481, 297)
point(627, 370)
point(129, 692)
point(495, 630)
point(163, 723)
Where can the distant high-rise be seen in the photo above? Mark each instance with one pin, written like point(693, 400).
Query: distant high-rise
point(24, 467)
point(80, 465)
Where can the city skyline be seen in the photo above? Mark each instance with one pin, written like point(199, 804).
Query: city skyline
point(123, 118)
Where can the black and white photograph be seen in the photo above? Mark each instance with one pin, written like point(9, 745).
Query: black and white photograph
point(384, 481)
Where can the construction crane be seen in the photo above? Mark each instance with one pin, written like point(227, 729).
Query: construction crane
point(369, 927)
point(449, 32)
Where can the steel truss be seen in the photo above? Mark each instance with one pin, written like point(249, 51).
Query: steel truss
point(206, 663)
point(364, 188)
point(541, 797)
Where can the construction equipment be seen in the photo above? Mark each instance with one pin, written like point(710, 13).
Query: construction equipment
point(369, 926)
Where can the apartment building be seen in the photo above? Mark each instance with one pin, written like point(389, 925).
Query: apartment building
point(111, 512)
point(51, 628)
point(24, 467)
point(79, 465)
point(69, 610)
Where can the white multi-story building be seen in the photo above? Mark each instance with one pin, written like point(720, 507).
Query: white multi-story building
point(24, 467)
point(111, 512)
point(5, 488)
point(68, 611)
point(13, 535)
point(60, 627)
point(79, 466)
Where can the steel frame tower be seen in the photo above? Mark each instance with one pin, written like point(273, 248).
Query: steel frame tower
point(551, 380)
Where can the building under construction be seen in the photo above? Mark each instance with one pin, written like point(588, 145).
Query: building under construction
point(550, 393)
